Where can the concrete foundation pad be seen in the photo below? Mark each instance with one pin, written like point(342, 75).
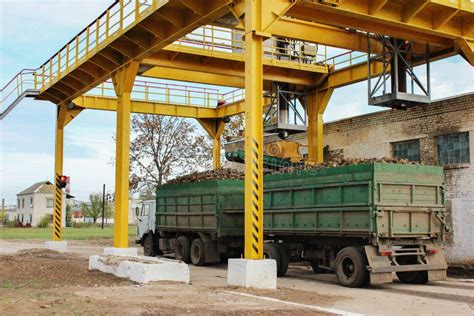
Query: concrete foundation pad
point(141, 269)
point(60, 246)
point(120, 251)
point(260, 274)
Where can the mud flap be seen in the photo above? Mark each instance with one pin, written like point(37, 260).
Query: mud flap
point(376, 262)
point(437, 259)
point(211, 254)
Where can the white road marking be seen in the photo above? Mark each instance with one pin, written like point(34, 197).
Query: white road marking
point(318, 308)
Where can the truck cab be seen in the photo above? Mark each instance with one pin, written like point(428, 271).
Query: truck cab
point(146, 226)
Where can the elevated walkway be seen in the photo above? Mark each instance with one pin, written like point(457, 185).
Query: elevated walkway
point(128, 30)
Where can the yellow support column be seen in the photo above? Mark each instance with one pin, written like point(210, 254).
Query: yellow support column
point(317, 104)
point(214, 127)
point(63, 117)
point(253, 246)
point(123, 82)
point(58, 171)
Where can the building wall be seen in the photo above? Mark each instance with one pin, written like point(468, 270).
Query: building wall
point(38, 209)
point(372, 135)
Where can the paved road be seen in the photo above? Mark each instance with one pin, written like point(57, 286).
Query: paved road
point(450, 297)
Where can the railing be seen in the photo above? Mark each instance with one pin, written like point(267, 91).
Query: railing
point(23, 81)
point(347, 59)
point(226, 40)
point(116, 20)
point(175, 94)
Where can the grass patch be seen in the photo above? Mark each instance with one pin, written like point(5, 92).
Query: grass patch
point(68, 233)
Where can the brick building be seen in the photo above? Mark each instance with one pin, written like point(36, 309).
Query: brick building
point(440, 133)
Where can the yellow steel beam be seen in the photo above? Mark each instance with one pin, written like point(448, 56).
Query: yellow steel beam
point(63, 117)
point(150, 107)
point(214, 127)
point(58, 171)
point(350, 75)
point(123, 83)
point(158, 108)
point(322, 34)
point(317, 104)
point(196, 67)
point(253, 248)
point(466, 48)
point(195, 76)
point(407, 20)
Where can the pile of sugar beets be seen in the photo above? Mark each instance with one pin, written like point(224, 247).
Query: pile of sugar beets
point(233, 174)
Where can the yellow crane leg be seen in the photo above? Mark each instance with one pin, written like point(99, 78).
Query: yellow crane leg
point(123, 82)
point(63, 117)
point(214, 127)
point(253, 246)
point(58, 171)
point(317, 103)
point(216, 153)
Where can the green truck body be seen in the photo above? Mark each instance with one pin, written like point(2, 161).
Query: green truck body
point(392, 213)
point(370, 200)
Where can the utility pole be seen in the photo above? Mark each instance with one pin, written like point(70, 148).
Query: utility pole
point(103, 205)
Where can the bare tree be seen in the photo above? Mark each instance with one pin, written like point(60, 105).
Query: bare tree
point(233, 128)
point(163, 147)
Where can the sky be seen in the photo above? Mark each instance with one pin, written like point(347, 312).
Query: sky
point(31, 31)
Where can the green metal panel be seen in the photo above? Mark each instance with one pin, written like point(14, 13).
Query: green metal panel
point(384, 200)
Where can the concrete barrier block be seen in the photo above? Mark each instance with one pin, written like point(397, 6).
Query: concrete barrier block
point(141, 269)
point(120, 251)
point(60, 246)
point(252, 273)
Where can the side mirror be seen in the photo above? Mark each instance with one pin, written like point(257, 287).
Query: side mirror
point(137, 211)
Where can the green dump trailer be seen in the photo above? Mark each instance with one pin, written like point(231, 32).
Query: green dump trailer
point(364, 222)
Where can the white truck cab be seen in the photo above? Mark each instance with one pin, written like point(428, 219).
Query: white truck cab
point(146, 226)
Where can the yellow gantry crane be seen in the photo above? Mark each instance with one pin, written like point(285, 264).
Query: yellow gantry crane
point(246, 44)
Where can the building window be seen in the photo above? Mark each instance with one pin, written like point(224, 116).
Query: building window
point(49, 202)
point(409, 149)
point(31, 202)
point(453, 148)
point(23, 203)
point(18, 203)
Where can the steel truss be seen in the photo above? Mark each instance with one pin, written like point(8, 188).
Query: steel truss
point(398, 85)
point(286, 113)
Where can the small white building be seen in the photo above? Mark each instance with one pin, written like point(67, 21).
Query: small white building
point(35, 202)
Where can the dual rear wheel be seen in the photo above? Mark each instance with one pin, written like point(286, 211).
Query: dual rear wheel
point(190, 251)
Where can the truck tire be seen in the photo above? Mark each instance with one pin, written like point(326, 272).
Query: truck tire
point(284, 260)
point(272, 251)
point(351, 267)
point(197, 252)
point(413, 277)
point(182, 249)
point(149, 246)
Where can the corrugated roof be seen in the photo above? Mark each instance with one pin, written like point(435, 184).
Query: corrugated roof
point(39, 187)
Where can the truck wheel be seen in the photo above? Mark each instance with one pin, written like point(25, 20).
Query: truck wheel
point(413, 277)
point(271, 251)
point(284, 260)
point(197, 252)
point(182, 249)
point(351, 267)
point(149, 245)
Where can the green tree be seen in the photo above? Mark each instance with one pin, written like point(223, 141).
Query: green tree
point(94, 210)
point(68, 216)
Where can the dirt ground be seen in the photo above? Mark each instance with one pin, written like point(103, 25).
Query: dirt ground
point(37, 281)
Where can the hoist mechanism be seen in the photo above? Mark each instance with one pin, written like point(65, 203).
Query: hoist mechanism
point(286, 113)
point(400, 84)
